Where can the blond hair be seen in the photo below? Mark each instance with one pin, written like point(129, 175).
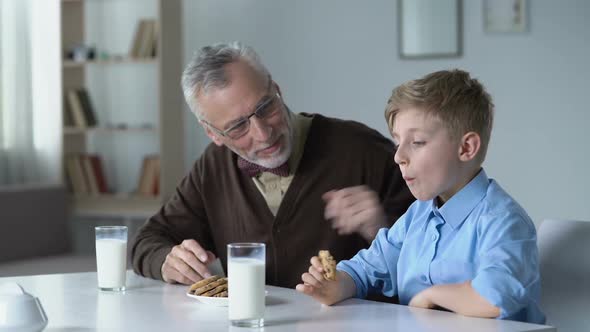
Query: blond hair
point(452, 96)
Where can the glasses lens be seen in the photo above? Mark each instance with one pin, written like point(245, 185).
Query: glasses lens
point(238, 130)
point(269, 108)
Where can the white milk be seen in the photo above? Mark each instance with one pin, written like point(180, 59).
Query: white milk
point(246, 281)
point(111, 262)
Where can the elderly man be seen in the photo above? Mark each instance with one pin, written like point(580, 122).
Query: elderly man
point(297, 182)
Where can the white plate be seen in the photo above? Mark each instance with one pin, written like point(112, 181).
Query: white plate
point(214, 301)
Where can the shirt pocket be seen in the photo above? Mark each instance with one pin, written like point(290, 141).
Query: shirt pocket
point(449, 271)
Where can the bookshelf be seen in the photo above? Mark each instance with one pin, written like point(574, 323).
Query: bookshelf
point(132, 82)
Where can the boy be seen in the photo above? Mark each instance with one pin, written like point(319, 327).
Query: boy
point(465, 245)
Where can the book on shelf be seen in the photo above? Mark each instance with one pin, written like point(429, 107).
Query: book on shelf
point(75, 174)
point(149, 179)
point(87, 107)
point(74, 107)
point(68, 121)
point(145, 50)
point(145, 39)
point(86, 174)
point(99, 174)
point(89, 176)
point(79, 111)
point(136, 44)
point(154, 41)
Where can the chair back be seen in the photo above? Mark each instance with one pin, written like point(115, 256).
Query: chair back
point(564, 250)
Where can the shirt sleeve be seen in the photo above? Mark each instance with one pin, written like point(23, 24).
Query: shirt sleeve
point(374, 270)
point(508, 270)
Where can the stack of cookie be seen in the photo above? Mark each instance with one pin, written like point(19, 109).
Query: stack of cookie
point(214, 286)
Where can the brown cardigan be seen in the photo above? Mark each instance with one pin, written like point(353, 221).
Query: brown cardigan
point(216, 204)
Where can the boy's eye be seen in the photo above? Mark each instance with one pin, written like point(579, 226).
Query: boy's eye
point(418, 143)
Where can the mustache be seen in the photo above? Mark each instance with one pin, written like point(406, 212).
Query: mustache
point(268, 145)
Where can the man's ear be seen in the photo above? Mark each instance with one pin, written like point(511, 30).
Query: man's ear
point(278, 88)
point(470, 145)
point(211, 134)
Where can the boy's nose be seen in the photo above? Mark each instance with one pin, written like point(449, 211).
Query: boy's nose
point(399, 157)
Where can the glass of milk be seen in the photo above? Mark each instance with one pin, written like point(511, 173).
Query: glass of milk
point(246, 279)
point(111, 257)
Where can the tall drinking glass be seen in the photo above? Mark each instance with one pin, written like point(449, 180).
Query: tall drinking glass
point(246, 279)
point(111, 257)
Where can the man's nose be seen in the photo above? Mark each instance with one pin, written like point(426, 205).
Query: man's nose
point(259, 130)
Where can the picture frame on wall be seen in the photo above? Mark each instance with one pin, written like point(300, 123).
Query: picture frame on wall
point(505, 16)
point(429, 28)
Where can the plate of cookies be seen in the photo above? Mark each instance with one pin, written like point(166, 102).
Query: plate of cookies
point(212, 291)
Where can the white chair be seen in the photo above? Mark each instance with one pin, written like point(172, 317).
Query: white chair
point(564, 250)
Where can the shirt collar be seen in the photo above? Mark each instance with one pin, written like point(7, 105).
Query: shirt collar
point(458, 207)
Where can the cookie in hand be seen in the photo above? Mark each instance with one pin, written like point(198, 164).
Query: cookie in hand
point(328, 263)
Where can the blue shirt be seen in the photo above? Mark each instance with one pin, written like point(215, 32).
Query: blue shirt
point(480, 234)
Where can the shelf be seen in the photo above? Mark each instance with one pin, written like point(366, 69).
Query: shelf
point(136, 100)
point(114, 206)
point(112, 61)
point(107, 130)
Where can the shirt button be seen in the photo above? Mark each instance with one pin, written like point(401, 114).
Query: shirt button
point(424, 278)
point(434, 237)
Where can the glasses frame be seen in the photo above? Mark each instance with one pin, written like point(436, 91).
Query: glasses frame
point(246, 119)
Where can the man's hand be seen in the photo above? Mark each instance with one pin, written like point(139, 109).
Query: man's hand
point(326, 291)
point(355, 209)
point(187, 263)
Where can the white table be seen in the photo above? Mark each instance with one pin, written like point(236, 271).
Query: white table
point(73, 303)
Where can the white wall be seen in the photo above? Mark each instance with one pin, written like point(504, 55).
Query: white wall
point(340, 58)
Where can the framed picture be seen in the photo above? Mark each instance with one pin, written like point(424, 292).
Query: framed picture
point(429, 28)
point(504, 15)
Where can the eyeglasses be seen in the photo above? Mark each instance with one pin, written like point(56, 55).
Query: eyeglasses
point(269, 107)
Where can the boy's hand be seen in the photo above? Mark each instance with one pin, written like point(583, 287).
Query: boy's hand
point(461, 298)
point(325, 291)
point(422, 300)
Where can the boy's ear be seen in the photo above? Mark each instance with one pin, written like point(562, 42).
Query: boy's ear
point(470, 145)
point(211, 134)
